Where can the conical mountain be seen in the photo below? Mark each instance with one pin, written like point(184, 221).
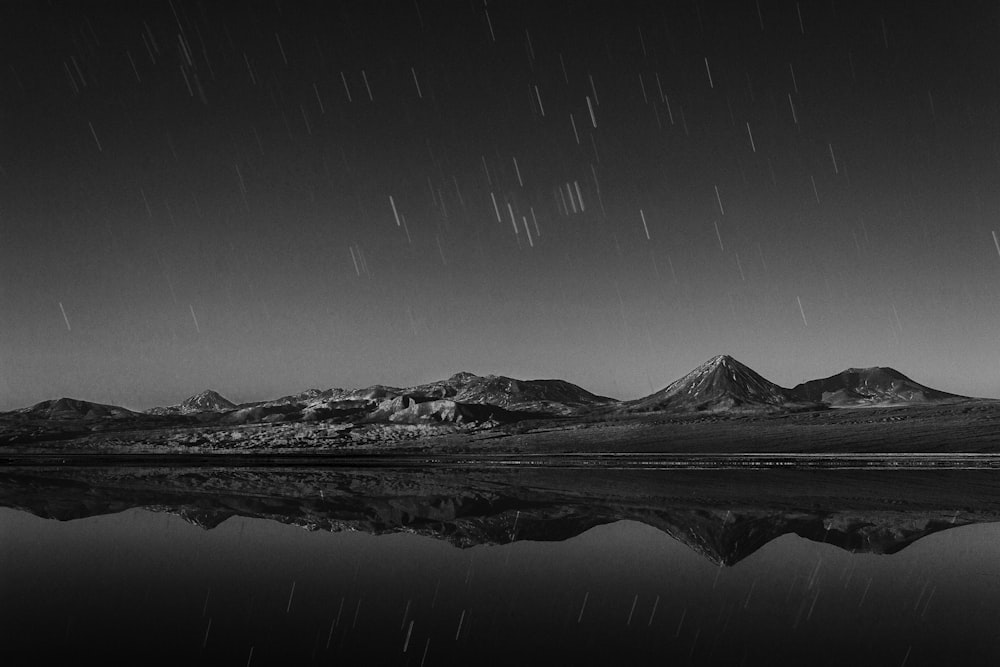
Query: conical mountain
point(207, 401)
point(720, 384)
point(877, 385)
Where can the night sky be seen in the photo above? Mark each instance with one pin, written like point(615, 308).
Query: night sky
point(273, 196)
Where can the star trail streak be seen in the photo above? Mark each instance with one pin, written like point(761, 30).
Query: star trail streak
point(183, 152)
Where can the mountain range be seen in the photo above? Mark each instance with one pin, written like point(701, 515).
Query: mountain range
point(721, 385)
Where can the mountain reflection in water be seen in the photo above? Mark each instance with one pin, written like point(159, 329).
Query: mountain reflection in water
point(555, 566)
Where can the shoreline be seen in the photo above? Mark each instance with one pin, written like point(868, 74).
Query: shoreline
point(606, 460)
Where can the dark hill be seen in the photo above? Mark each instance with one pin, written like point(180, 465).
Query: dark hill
point(877, 385)
point(75, 409)
point(556, 396)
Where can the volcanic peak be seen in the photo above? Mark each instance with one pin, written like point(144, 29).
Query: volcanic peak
point(208, 400)
point(721, 383)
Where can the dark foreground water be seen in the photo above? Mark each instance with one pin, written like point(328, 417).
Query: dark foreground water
point(407, 568)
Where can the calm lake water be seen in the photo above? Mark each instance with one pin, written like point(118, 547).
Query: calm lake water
point(419, 581)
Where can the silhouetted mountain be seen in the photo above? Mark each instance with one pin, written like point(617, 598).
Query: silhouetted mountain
point(74, 409)
point(877, 385)
point(720, 384)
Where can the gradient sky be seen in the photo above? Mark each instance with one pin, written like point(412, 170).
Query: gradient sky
point(196, 196)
